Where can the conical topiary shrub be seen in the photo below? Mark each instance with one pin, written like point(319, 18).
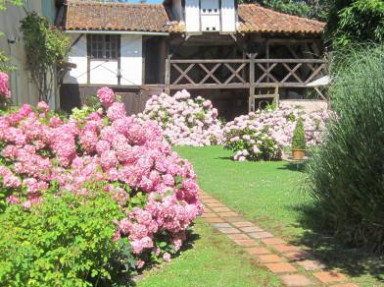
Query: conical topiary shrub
point(298, 140)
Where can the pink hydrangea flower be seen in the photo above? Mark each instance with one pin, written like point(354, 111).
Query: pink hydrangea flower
point(167, 257)
point(4, 90)
point(116, 111)
point(43, 106)
point(106, 96)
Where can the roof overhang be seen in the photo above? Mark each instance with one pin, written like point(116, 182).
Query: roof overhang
point(113, 32)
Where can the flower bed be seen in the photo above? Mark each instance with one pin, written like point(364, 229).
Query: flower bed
point(184, 121)
point(264, 134)
point(102, 149)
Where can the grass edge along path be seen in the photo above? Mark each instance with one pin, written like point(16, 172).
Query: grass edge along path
point(294, 266)
point(213, 261)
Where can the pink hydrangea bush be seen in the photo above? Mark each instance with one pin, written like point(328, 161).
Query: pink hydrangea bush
point(265, 134)
point(185, 121)
point(103, 149)
point(5, 93)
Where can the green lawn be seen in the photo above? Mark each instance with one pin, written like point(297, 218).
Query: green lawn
point(213, 261)
point(273, 195)
point(269, 193)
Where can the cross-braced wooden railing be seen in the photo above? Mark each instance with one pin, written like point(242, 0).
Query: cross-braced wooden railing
point(218, 74)
point(288, 72)
point(242, 73)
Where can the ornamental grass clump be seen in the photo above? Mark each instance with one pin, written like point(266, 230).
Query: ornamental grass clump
point(264, 135)
point(347, 175)
point(184, 120)
point(101, 149)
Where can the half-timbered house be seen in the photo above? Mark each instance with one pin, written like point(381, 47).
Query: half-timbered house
point(237, 55)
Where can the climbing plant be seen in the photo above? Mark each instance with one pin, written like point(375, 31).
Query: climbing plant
point(46, 49)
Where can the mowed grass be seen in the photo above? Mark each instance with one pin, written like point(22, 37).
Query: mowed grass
point(269, 193)
point(274, 196)
point(212, 261)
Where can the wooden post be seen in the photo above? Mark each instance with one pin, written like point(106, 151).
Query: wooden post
point(267, 52)
point(167, 76)
point(251, 102)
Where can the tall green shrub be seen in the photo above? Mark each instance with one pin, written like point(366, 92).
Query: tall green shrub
point(64, 241)
point(347, 175)
point(298, 139)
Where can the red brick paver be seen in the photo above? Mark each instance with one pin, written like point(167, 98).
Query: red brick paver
point(245, 242)
point(242, 224)
point(329, 277)
point(234, 219)
point(240, 236)
point(272, 252)
point(273, 241)
point(214, 219)
point(249, 229)
point(270, 258)
point(257, 250)
point(285, 248)
point(295, 280)
point(311, 265)
point(346, 285)
point(259, 235)
point(229, 230)
point(297, 255)
point(282, 267)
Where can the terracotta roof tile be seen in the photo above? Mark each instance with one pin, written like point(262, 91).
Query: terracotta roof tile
point(84, 15)
point(254, 18)
point(115, 16)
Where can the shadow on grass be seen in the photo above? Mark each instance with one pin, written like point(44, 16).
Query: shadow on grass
point(294, 166)
point(328, 249)
point(191, 238)
point(225, 158)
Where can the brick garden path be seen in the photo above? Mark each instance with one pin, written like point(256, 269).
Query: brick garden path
point(293, 266)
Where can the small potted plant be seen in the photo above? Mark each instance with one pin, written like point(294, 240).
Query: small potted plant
point(298, 141)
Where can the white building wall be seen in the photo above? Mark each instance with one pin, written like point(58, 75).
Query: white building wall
point(104, 72)
point(131, 60)
point(77, 56)
point(192, 16)
point(107, 72)
point(228, 16)
point(210, 16)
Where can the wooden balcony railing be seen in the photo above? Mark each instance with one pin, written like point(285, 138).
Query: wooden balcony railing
point(242, 73)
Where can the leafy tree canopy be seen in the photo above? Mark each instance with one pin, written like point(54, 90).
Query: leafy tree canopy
point(355, 21)
point(305, 8)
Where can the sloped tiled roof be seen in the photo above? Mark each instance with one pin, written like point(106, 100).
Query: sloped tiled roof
point(115, 17)
point(88, 15)
point(254, 18)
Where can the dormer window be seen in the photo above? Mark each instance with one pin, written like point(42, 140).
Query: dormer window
point(210, 16)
